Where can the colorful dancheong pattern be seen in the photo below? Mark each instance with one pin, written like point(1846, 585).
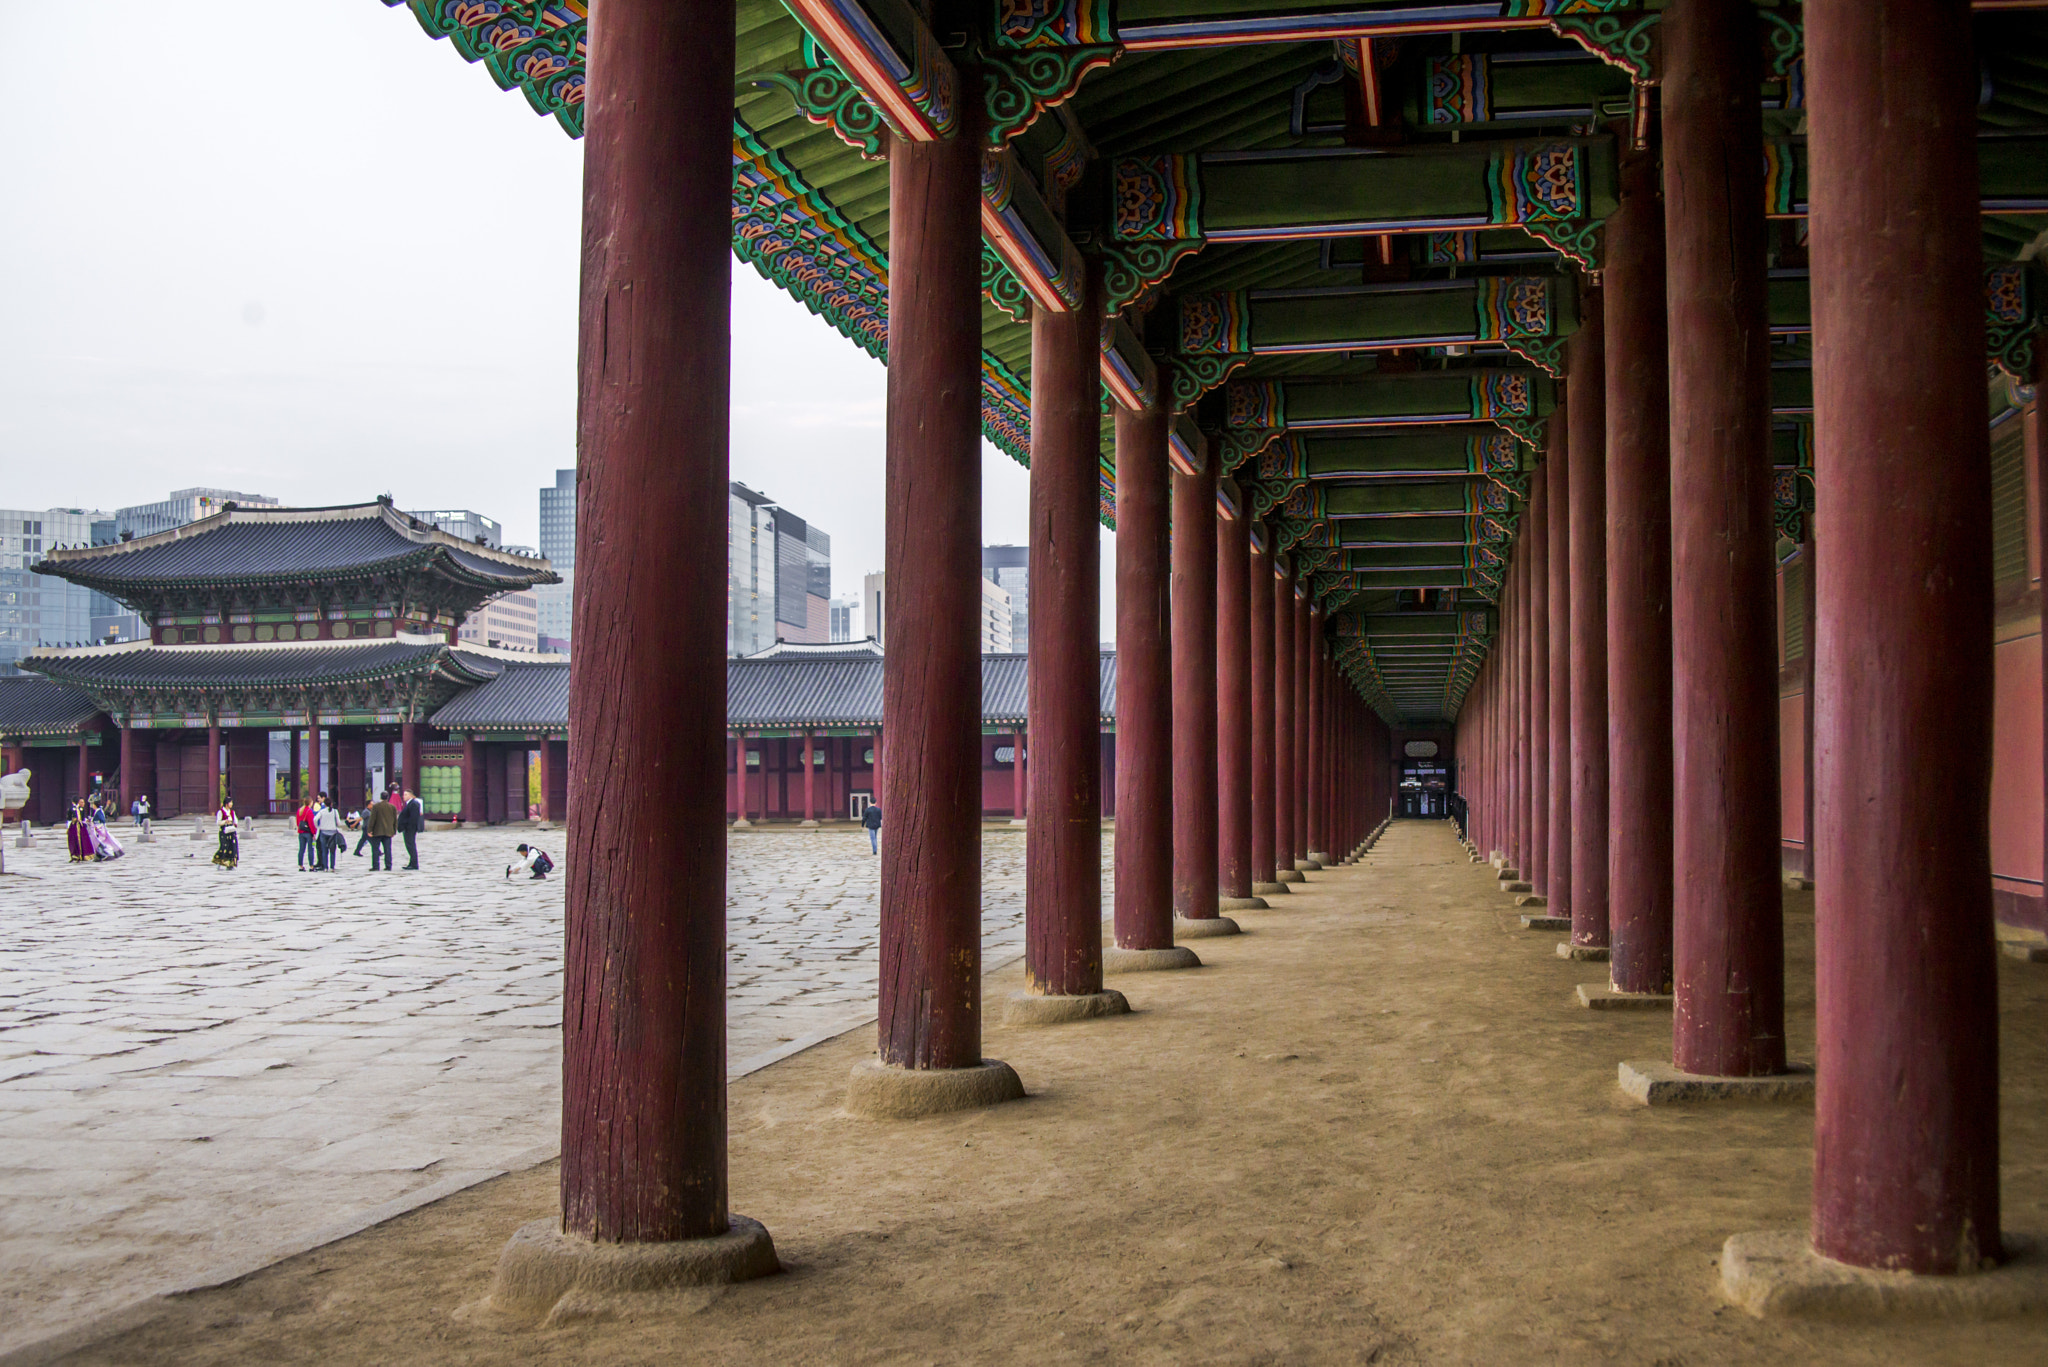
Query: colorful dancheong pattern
point(1503, 394)
point(1255, 404)
point(1215, 324)
point(1055, 23)
point(1529, 182)
point(1458, 90)
point(1449, 249)
point(1158, 198)
point(1511, 307)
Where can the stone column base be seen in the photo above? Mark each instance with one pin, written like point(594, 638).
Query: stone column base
point(1034, 1008)
point(1203, 928)
point(1243, 904)
point(1606, 997)
point(1307, 866)
point(1591, 954)
point(1016, 821)
point(1269, 889)
point(1775, 1272)
point(741, 824)
point(881, 1091)
point(1320, 858)
point(552, 1277)
point(1115, 960)
point(1536, 921)
point(1516, 885)
point(807, 822)
point(1290, 876)
point(1507, 873)
point(1532, 899)
point(1656, 1083)
point(2026, 951)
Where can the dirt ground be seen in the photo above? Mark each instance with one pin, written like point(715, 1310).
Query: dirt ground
point(1374, 1129)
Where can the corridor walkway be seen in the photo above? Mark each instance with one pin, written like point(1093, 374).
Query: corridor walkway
point(1375, 1128)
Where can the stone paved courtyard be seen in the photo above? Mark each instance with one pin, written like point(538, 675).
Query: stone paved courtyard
point(202, 1068)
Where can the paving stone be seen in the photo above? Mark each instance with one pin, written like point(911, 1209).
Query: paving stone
point(146, 1006)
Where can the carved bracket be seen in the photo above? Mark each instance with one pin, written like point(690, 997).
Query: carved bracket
point(1131, 268)
point(1019, 85)
point(825, 96)
point(1194, 376)
point(1001, 288)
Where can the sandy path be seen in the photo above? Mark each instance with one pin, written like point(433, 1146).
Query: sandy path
point(1375, 1129)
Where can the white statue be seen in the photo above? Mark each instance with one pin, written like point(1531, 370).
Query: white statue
point(14, 790)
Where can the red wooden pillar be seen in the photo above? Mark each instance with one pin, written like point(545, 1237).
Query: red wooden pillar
point(643, 1105)
point(1281, 587)
point(213, 794)
point(810, 781)
point(1259, 589)
point(1063, 847)
point(1303, 657)
point(930, 1006)
point(474, 800)
point(1233, 706)
point(1586, 365)
point(548, 811)
point(1728, 928)
point(129, 769)
point(1145, 711)
point(1517, 758)
point(1906, 1155)
point(1316, 747)
point(409, 741)
point(1536, 612)
point(1557, 563)
point(1194, 691)
point(1639, 586)
point(1017, 776)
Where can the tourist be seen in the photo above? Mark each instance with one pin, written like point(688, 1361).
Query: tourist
point(104, 846)
point(412, 819)
point(380, 823)
point(531, 857)
point(328, 825)
point(77, 838)
point(139, 809)
point(871, 820)
point(229, 852)
point(305, 819)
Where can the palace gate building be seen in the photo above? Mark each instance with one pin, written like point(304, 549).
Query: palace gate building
point(1604, 389)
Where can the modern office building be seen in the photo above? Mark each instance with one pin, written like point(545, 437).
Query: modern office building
point(182, 507)
point(995, 619)
point(845, 618)
point(511, 621)
point(871, 608)
point(778, 575)
point(462, 522)
point(40, 609)
point(558, 545)
point(1009, 567)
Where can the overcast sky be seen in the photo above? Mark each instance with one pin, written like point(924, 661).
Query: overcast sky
point(299, 249)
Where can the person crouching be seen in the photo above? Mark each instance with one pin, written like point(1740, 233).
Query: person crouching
point(532, 858)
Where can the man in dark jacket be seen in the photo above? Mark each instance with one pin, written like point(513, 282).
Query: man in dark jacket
point(380, 823)
point(871, 820)
point(412, 819)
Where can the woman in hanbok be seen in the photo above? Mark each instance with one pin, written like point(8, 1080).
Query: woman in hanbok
point(230, 852)
point(104, 846)
point(78, 834)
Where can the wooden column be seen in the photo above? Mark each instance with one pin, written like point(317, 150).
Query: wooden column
point(547, 779)
point(1285, 791)
point(213, 793)
point(1194, 690)
point(475, 787)
point(1906, 1156)
point(1017, 776)
point(1728, 943)
point(298, 785)
point(1557, 562)
point(1639, 586)
point(1233, 707)
point(1259, 590)
point(1063, 847)
point(129, 768)
point(1586, 365)
point(810, 785)
point(643, 1105)
point(1145, 712)
point(1303, 663)
point(1536, 653)
point(930, 1007)
point(409, 741)
point(1316, 744)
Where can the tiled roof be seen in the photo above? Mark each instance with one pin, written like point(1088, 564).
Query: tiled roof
point(254, 544)
point(523, 696)
point(790, 691)
point(30, 706)
point(257, 666)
